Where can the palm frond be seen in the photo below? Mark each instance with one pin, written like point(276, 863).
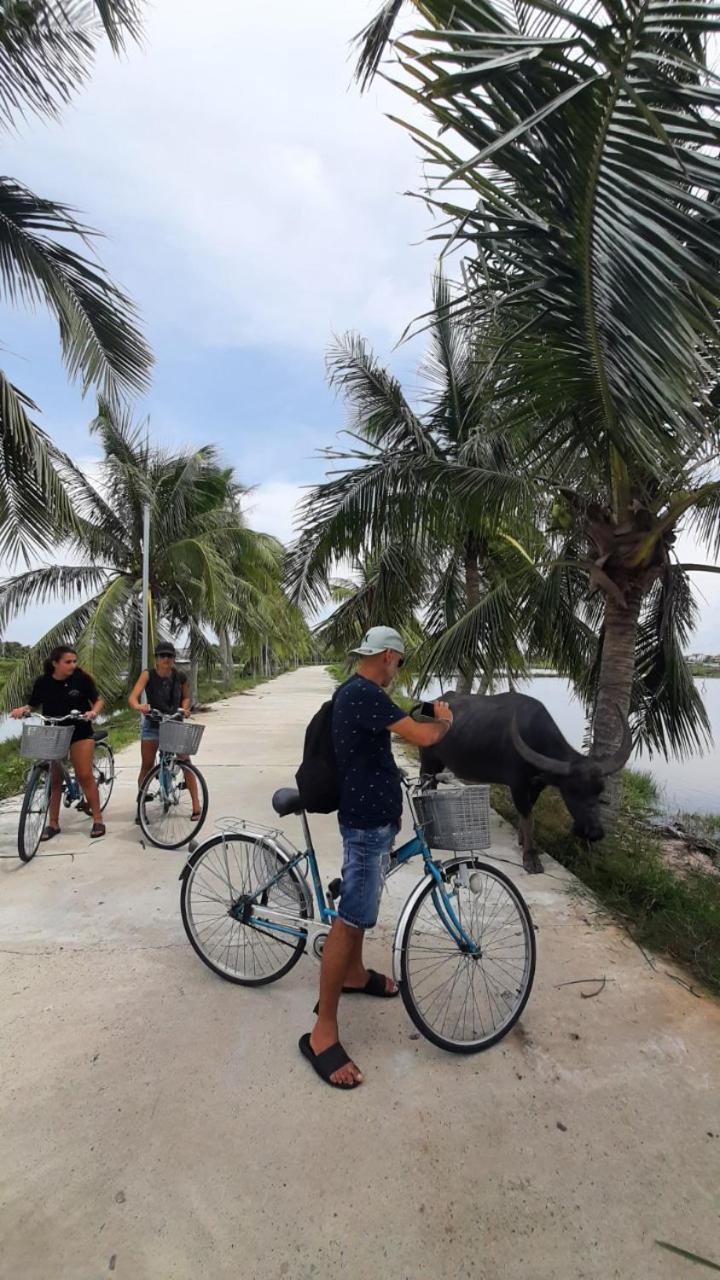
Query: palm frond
point(593, 158)
point(47, 48)
point(390, 589)
point(101, 343)
point(378, 407)
point(34, 505)
point(49, 582)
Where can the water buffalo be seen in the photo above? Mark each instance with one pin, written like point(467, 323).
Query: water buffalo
point(512, 739)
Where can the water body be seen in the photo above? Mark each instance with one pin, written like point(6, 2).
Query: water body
point(692, 784)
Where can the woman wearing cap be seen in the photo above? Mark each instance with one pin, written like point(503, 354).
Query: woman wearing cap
point(164, 689)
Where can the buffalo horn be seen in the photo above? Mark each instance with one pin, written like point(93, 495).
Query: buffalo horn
point(546, 764)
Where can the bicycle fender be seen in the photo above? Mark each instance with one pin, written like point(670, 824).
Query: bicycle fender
point(402, 922)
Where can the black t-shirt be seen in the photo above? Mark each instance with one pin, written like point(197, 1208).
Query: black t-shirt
point(165, 693)
point(59, 697)
point(370, 790)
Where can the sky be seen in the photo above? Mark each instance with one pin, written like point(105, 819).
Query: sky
point(253, 204)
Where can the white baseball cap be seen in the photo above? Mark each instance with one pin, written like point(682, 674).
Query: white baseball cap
point(377, 640)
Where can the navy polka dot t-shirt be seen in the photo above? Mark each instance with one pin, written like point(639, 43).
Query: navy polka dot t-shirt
point(370, 790)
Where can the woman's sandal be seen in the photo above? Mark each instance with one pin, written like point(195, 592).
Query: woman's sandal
point(98, 830)
point(49, 833)
point(376, 985)
point(327, 1062)
point(195, 817)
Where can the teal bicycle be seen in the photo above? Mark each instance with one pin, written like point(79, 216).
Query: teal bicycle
point(46, 742)
point(173, 799)
point(464, 948)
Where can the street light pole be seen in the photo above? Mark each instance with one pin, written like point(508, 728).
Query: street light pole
point(146, 584)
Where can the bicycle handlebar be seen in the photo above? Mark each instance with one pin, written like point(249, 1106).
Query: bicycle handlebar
point(160, 716)
point(71, 715)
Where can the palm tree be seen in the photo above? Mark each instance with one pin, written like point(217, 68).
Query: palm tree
point(46, 50)
point(207, 571)
point(419, 549)
point(574, 158)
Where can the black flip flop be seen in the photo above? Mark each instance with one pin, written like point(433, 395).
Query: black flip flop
point(327, 1062)
point(375, 986)
point(98, 830)
point(49, 834)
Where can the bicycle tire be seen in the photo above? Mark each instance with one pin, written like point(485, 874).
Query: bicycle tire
point(410, 982)
point(103, 751)
point(145, 790)
point(299, 893)
point(29, 838)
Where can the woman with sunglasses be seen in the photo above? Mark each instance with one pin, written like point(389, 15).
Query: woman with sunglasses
point(165, 689)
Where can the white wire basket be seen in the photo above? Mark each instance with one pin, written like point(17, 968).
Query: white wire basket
point(45, 741)
point(180, 737)
point(456, 818)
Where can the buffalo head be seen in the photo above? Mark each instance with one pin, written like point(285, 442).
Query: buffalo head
point(580, 780)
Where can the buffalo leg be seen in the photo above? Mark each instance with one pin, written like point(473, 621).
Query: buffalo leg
point(531, 857)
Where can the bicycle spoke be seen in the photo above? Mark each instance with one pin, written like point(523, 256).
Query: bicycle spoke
point(244, 870)
point(467, 995)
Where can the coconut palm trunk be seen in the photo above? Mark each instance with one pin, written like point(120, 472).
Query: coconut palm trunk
point(472, 594)
point(226, 658)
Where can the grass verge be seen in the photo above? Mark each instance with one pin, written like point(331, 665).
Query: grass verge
point(676, 915)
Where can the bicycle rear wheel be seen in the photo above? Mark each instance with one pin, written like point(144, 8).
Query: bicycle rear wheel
point(33, 811)
point(104, 771)
point(165, 804)
point(463, 1002)
point(233, 938)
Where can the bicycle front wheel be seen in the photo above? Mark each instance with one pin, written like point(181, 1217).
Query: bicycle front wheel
point(251, 943)
point(166, 804)
point(462, 1000)
point(104, 771)
point(33, 811)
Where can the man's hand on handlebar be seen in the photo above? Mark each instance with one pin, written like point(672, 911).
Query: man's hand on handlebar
point(18, 713)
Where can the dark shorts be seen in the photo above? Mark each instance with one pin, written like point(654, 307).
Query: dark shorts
point(366, 858)
point(81, 732)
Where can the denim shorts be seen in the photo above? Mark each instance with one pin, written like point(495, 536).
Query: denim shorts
point(366, 858)
point(149, 730)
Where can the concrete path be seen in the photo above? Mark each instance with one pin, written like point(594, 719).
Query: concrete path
point(159, 1124)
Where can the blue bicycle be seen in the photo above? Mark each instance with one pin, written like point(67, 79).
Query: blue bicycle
point(464, 949)
point(173, 799)
point(46, 741)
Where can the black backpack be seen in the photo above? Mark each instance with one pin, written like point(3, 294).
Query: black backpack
point(317, 778)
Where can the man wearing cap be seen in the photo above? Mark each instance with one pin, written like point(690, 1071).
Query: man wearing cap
point(165, 689)
point(370, 814)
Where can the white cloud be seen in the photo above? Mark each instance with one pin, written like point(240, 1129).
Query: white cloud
point(272, 508)
point(253, 195)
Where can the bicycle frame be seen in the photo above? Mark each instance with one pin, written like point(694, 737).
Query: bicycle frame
point(415, 847)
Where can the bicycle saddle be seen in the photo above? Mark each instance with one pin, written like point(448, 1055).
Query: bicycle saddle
point(286, 801)
point(100, 734)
